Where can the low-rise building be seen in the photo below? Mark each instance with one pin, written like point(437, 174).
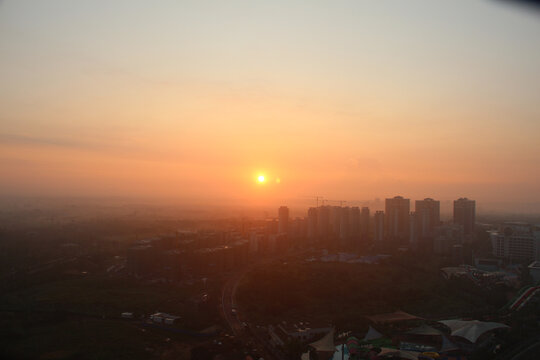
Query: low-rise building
point(302, 331)
point(534, 271)
point(164, 318)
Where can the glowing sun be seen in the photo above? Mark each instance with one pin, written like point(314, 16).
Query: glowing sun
point(260, 178)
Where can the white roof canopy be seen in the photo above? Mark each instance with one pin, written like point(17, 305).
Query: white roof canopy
point(326, 343)
point(372, 334)
point(471, 330)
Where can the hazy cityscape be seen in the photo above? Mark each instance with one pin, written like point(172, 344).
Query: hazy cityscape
point(269, 180)
point(155, 282)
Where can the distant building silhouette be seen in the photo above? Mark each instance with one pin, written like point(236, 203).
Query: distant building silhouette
point(397, 222)
point(427, 217)
point(297, 228)
point(364, 224)
point(413, 230)
point(312, 228)
point(354, 220)
point(335, 221)
point(465, 215)
point(379, 227)
point(323, 222)
point(345, 224)
point(283, 218)
point(272, 226)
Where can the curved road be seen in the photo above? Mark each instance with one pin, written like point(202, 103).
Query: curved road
point(228, 302)
point(247, 334)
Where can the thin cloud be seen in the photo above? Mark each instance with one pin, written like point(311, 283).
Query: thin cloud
point(110, 148)
point(18, 139)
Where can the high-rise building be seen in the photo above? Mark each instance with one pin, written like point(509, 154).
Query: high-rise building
point(272, 226)
point(312, 224)
point(297, 228)
point(283, 218)
point(397, 221)
point(335, 221)
point(364, 224)
point(378, 233)
point(344, 223)
point(427, 213)
point(465, 215)
point(323, 222)
point(354, 221)
point(255, 239)
point(413, 230)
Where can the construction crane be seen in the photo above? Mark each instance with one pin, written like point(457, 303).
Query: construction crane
point(341, 202)
point(317, 198)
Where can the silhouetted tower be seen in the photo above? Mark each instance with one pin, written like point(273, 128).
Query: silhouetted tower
point(465, 215)
point(283, 218)
point(364, 224)
point(427, 217)
point(312, 224)
point(344, 223)
point(397, 219)
point(335, 221)
point(323, 222)
point(354, 221)
point(378, 227)
point(413, 230)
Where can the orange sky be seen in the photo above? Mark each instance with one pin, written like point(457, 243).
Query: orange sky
point(351, 101)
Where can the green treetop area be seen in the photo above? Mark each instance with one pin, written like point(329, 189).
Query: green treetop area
point(342, 293)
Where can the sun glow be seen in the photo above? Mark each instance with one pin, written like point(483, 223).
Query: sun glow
point(260, 179)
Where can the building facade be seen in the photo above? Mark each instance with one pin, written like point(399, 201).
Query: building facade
point(323, 222)
point(364, 224)
point(465, 215)
point(354, 220)
point(312, 224)
point(397, 222)
point(516, 241)
point(378, 234)
point(283, 220)
point(428, 217)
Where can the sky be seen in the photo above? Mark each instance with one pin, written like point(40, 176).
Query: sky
point(349, 100)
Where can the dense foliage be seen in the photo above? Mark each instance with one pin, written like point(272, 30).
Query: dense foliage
point(341, 292)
